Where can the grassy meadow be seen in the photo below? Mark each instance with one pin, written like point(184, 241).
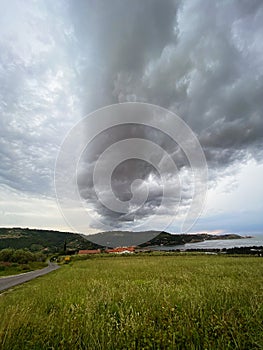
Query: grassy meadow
point(139, 302)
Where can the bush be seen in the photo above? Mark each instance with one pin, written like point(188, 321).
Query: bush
point(40, 257)
point(6, 254)
point(20, 256)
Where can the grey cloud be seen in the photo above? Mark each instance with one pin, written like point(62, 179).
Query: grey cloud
point(59, 61)
point(36, 93)
point(201, 59)
point(126, 172)
point(118, 38)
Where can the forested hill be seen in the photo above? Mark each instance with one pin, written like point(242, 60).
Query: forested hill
point(167, 239)
point(43, 240)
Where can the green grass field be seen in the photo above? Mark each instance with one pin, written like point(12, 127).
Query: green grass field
point(139, 302)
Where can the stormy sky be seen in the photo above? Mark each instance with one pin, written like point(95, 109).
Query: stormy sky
point(201, 59)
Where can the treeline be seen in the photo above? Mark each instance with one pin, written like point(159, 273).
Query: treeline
point(20, 256)
point(255, 250)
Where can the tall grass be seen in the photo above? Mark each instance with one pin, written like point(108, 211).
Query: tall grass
point(139, 302)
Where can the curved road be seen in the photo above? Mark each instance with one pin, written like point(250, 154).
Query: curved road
point(11, 281)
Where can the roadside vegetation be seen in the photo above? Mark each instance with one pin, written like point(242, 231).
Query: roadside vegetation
point(17, 261)
point(139, 302)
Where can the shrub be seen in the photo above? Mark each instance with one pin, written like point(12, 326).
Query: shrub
point(6, 254)
point(20, 256)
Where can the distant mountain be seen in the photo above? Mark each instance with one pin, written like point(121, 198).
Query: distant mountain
point(121, 238)
point(151, 238)
point(43, 240)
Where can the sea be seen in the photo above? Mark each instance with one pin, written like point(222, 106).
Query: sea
point(256, 240)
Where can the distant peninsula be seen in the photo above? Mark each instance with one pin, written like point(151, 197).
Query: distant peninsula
point(167, 239)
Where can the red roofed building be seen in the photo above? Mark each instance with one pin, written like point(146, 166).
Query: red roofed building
point(121, 250)
point(91, 251)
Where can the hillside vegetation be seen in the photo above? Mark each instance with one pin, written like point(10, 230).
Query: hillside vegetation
point(42, 240)
point(139, 302)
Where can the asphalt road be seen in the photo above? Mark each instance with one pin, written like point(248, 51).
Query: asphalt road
point(11, 281)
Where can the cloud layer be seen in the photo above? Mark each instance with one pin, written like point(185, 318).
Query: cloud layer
point(60, 61)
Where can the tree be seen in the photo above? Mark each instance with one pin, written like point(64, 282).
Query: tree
point(6, 254)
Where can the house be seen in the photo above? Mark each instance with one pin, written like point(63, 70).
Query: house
point(121, 250)
point(89, 251)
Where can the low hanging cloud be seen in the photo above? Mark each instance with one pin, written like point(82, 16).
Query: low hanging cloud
point(130, 170)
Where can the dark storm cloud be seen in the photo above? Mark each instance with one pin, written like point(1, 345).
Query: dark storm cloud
point(119, 38)
point(200, 59)
point(128, 171)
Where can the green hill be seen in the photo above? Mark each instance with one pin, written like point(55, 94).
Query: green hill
point(43, 240)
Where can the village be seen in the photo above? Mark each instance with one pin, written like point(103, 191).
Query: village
point(118, 250)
